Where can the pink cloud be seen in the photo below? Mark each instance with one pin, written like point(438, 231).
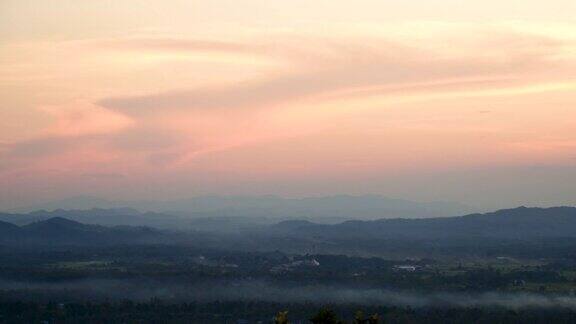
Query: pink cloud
point(80, 119)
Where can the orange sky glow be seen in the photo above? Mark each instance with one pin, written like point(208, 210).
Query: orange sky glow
point(471, 101)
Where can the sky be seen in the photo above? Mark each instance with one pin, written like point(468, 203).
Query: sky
point(452, 100)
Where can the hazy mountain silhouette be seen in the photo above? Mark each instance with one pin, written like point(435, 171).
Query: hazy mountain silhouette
point(62, 231)
point(332, 207)
point(100, 216)
point(517, 223)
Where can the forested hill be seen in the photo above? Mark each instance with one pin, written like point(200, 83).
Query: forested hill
point(59, 231)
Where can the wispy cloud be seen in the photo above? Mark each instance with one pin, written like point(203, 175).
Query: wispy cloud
point(282, 104)
point(380, 67)
point(168, 44)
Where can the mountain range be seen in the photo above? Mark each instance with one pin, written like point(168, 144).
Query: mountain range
point(100, 216)
point(331, 208)
point(518, 223)
point(62, 231)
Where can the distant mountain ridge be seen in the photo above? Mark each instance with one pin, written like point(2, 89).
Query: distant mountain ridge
point(517, 223)
point(520, 225)
point(100, 216)
point(62, 231)
point(335, 207)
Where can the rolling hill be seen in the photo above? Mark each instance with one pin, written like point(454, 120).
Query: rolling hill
point(62, 231)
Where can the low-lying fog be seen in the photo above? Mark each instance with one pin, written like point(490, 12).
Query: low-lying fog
point(139, 290)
